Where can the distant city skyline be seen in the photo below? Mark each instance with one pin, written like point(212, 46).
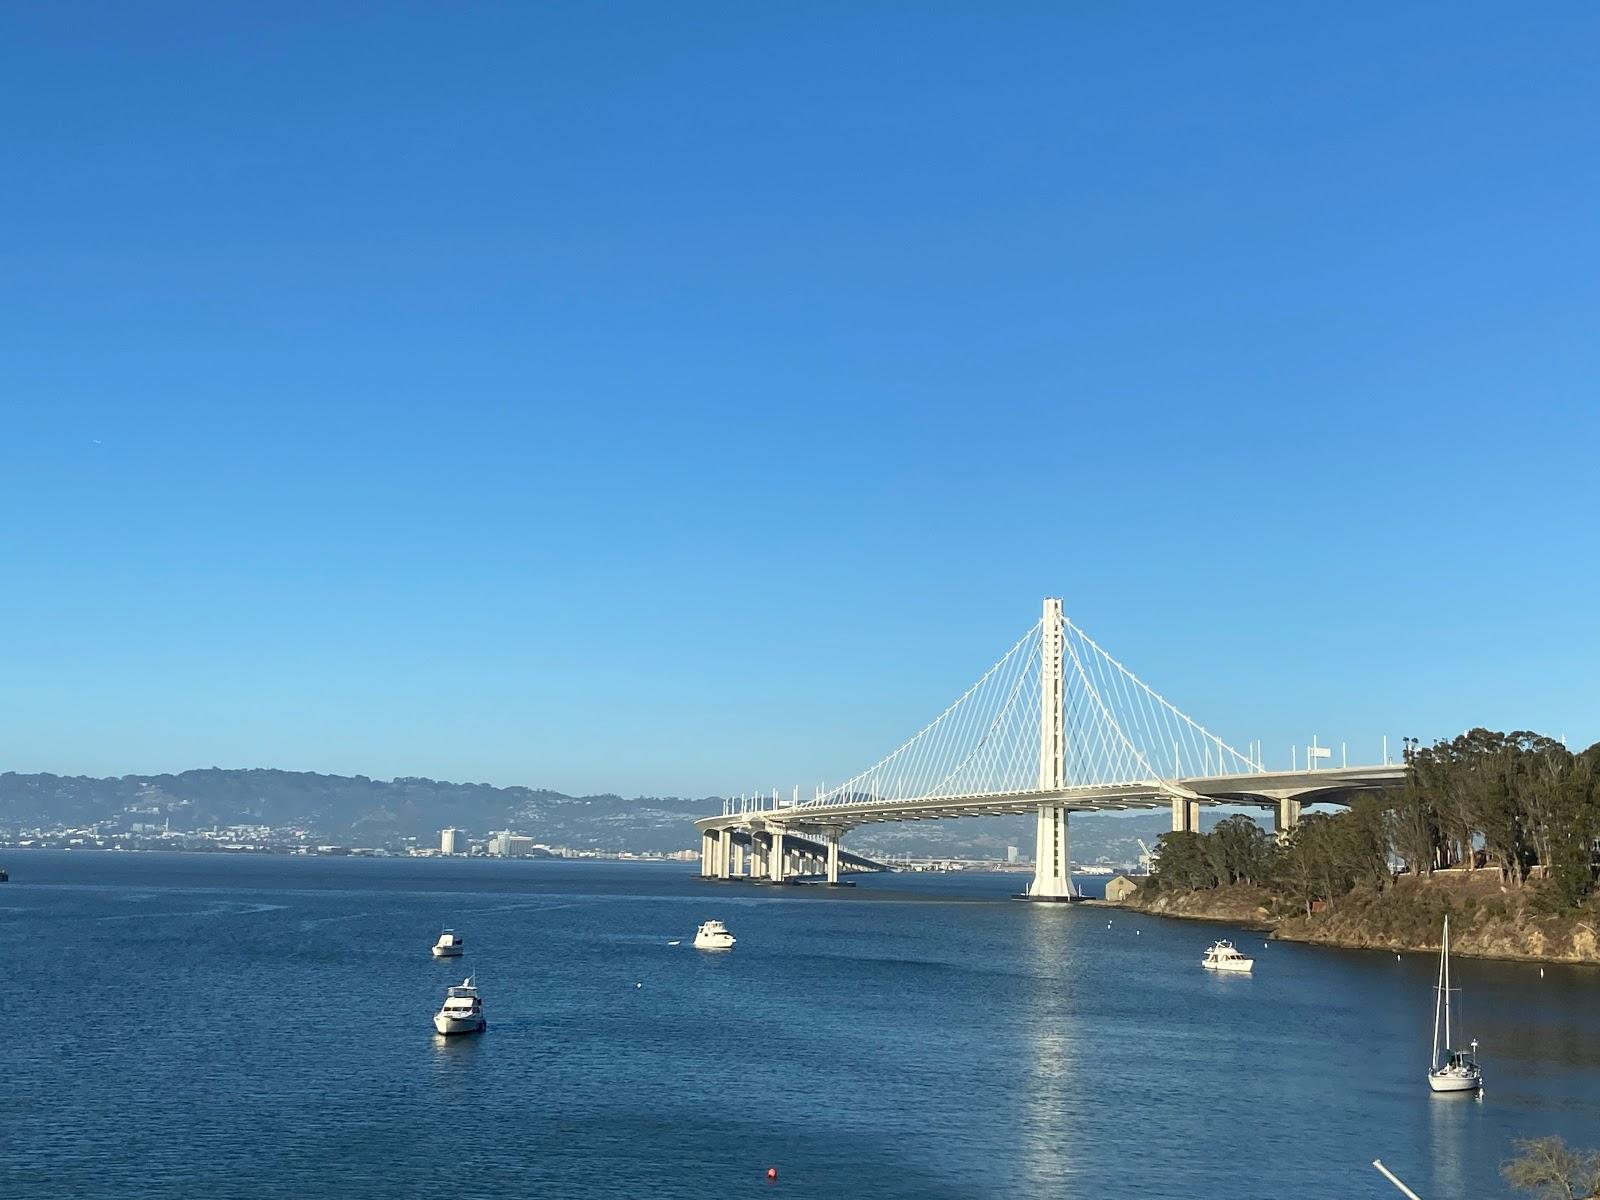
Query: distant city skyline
point(607, 401)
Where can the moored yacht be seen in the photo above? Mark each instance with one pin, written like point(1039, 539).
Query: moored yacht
point(1452, 1070)
point(449, 945)
point(462, 1011)
point(1223, 957)
point(713, 935)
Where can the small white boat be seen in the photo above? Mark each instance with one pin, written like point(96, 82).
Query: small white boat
point(713, 935)
point(1452, 1070)
point(462, 1010)
point(449, 945)
point(1223, 957)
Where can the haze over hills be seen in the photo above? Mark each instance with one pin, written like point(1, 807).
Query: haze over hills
point(359, 811)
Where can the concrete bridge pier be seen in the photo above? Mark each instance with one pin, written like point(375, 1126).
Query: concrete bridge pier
point(738, 860)
point(708, 853)
point(779, 858)
point(833, 858)
point(1052, 868)
point(759, 843)
point(1285, 817)
point(1185, 816)
point(724, 852)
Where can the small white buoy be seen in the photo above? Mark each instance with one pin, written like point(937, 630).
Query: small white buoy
point(1137, 932)
point(1397, 958)
point(677, 943)
point(638, 985)
point(1541, 972)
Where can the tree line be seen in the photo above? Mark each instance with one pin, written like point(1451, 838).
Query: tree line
point(1518, 803)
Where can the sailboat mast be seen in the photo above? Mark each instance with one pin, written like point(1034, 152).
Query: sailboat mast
point(1438, 996)
point(1447, 985)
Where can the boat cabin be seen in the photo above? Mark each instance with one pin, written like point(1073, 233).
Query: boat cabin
point(462, 1000)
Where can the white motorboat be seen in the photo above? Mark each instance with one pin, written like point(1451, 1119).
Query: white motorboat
point(1223, 957)
point(462, 1011)
point(713, 935)
point(449, 945)
point(1452, 1070)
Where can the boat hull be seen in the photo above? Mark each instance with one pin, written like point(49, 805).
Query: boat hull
point(448, 951)
point(1454, 1082)
point(1241, 967)
point(708, 944)
point(450, 1026)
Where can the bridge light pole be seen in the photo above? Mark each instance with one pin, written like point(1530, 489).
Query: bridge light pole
point(1052, 878)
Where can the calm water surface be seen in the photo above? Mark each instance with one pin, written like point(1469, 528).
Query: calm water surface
point(193, 1026)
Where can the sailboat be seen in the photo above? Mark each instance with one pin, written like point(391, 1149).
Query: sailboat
point(1458, 1071)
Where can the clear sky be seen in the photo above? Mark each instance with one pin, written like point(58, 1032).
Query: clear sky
point(675, 398)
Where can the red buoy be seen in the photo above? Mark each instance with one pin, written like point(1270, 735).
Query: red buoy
point(772, 1173)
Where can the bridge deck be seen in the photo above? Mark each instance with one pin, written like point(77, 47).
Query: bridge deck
point(1335, 785)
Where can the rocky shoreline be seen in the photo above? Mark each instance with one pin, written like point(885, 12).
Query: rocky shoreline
point(1487, 920)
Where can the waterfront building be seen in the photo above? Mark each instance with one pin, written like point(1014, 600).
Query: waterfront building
point(506, 844)
point(452, 841)
point(1120, 887)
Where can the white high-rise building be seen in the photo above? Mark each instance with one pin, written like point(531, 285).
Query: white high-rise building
point(510, 845)
point(452, 841)
point(1011, 854)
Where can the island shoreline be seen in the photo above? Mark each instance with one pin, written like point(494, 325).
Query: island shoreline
point(1515, 936)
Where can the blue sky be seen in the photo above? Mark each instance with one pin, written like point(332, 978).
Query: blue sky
point(665, 398)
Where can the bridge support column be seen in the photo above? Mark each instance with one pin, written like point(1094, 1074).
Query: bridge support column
point(1185, 816)
point(1052, 867)
point(1286, 817)
point(777, 858)
point(724, 852)
point(708, 853)
point(758, 861)
point(833, 857)
point(738, 860)
point(1052, 870)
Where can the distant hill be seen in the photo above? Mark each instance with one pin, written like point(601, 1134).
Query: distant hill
point(350, 808)
point(355, 810)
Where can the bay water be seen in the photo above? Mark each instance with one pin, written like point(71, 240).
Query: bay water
point(258, 1026)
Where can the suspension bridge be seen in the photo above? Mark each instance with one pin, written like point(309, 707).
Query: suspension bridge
point(1056, 726)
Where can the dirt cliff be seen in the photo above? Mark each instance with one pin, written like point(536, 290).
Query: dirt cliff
point(1487, 918)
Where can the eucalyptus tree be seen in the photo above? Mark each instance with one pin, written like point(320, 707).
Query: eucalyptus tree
point(1242, 848)
point(1414, 829)
point(1541, 782)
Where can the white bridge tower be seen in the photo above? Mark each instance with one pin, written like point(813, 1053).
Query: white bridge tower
point(1052, 878)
